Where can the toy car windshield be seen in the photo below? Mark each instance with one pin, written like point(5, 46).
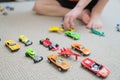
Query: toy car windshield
point(12, 44)
point(96, 66)
point(82, 47)
point(38, 58)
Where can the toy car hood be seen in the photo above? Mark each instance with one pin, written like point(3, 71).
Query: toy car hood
point(104, 71)
point(86, 51)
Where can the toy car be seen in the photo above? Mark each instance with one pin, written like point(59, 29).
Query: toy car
point(55, 29)
point(47, 43)
point(118, 27)
point(98, 69)
point(80, 48)
point(2, 9)
point(72, 35)
point(59, 62)
point(97, 32)
point(32, 54)
point(25, 40)
point(12, 45)
point(9, 8)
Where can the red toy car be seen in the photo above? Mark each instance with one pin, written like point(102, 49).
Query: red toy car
point(47, 43)
point(98, 69)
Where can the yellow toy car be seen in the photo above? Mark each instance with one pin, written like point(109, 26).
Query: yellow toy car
point(59, 62)
point(25, 40)
point(55, 29)
point(12, 45)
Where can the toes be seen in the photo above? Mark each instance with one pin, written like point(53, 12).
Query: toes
point(86, 18)
point(97, 26)
point(89, 26)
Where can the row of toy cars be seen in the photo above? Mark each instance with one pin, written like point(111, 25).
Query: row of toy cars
point(69, 33)
point(99, 69)
point(93, 66)
point(72, 34)
point(61, 64)
point(13, 46)
point(4, 10)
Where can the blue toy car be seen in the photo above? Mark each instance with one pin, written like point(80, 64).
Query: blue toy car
point(118, 27)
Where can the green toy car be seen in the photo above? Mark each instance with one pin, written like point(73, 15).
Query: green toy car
point(72, 34)
point(97, 32)
point(32, 54)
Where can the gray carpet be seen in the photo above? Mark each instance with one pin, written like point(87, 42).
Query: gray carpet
point(15, 66)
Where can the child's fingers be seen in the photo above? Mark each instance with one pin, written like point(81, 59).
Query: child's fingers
point(72, 22)
point(66, 23)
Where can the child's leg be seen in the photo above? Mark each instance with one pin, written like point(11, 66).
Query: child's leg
point(85, 17)
point(53, 7)
point(95, 21)
point(50, 8)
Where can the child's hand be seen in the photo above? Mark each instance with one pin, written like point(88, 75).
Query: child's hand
point(70, 17)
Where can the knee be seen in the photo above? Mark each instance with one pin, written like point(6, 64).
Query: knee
point(37, 6)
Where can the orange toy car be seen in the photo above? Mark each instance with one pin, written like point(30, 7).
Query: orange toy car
point(2, 9)
point(59, 62)
point(80, 48)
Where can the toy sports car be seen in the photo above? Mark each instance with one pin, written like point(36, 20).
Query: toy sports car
point(12, 45)
point(80, 48)
point(98, 69)
point(47, 43)
point(59, 62)
point(55, 29)
point(2, 9)
point(97, 32)
point(118, 27)
point(32, 54)
point(9, 8)
point(25, 40)
point(72, 35)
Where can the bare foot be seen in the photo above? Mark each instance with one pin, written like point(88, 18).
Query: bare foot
point(95, 22)
point(85, 16)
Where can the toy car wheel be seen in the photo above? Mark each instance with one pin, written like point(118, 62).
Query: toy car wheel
point(5, 45)
point(83, 54)
point(49, 61)
point(12, 50)
point(41, 42)
point(47, 39)
point(74, 38)
point(82, 65)
point(20, 40)
point(26, 45)
point(59, 69)
point(35, 61)
point(73, 48)
point(41, 58)
point(26, 55)
point(98, 75)
point(50, 48)
point(57, 45)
